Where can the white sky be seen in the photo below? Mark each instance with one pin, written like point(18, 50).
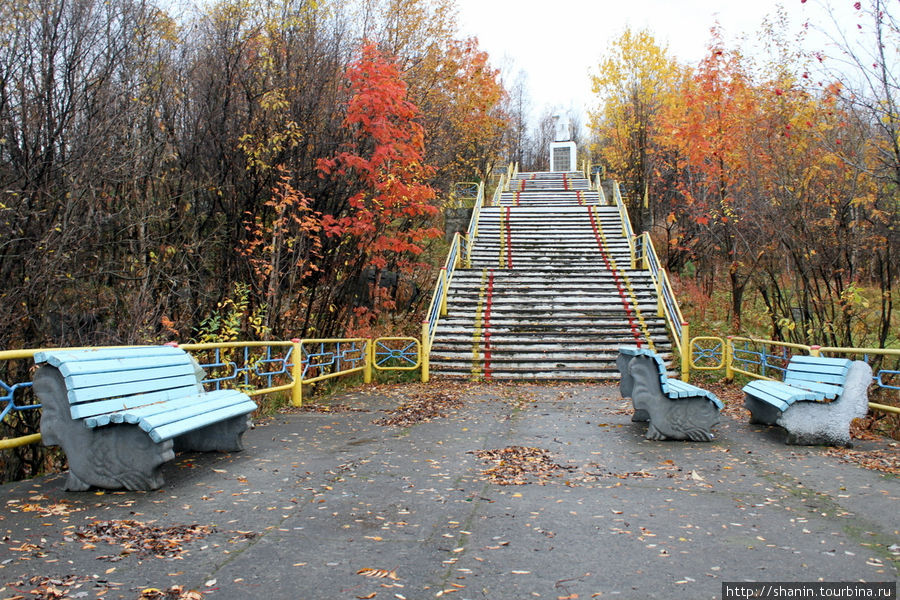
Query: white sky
point(558, 42)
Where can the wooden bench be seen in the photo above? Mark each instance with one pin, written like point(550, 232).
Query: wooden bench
point(120, 413)
point(674, 409)
point(816, 402)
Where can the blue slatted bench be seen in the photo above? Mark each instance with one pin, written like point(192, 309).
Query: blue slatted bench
point(816, 402)
point(674, 409)
point(120, 413)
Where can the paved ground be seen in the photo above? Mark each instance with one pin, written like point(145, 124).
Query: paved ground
point(334, 505)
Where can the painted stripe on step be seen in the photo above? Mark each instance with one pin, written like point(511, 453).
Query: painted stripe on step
point(477, 329)
point(509, 264)
point(598, 236)
point(487, 325)
point(501, 233)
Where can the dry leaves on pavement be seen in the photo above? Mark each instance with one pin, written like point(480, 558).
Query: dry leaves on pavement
point(886, 461)
point(70, 587)
point(140, 538)
point(518, 465)
point(420, 408)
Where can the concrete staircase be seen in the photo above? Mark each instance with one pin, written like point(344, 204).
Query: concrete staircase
point(550, 293)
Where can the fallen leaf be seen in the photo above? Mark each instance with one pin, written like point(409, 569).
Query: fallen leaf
point(378, 573)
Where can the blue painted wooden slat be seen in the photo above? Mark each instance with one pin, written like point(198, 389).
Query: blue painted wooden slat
point(775, 390)
point(150, 422)
point(827, 391)
point(152, 410)
point(142, 412)
point(815, 377)
point(165, 401)
point(112, 379)
point(822, 360)
point(93, 412)
point(166, 432)
point(810, 367)
point(57, 357)
point(776, 402)
point(784, 392)
point(128, 389)
point(125, 364)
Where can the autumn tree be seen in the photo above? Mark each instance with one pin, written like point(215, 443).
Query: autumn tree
point(390, 206)
point(633, 82)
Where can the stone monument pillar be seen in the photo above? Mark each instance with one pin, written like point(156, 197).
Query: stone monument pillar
point(562, 150)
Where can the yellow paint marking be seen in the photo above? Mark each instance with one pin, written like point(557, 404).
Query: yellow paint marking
point(479, 327)
point(628, 286)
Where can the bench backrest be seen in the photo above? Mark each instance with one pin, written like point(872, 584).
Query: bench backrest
point(673, 388)
point(105, 380)
point(817, 369)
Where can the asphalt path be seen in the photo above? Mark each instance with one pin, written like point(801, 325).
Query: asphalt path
point(352, 503)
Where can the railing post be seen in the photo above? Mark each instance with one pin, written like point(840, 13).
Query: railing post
point(660, 309)
point(645, 247)
point(297, 373)
point(425, 349)
point(443, 311)
point(631, 247)
point(685, 353)
point(728, 355)
point(370, 359)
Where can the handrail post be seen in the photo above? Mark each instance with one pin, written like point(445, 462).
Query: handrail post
point(370, 359)
point(297, 372)
point(645, 247)
point(685, 353)
point(443, 311)
point(425, 349)
point(729, 356)
point(631, 248)
point(660, 309)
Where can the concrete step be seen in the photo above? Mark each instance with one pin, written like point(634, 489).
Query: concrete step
point(556, 309)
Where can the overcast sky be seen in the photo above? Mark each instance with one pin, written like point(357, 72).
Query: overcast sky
point(558, 42)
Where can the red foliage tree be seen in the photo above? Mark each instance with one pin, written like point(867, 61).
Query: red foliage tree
point(392, 204)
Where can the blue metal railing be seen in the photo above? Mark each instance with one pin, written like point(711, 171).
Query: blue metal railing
point(768, 359)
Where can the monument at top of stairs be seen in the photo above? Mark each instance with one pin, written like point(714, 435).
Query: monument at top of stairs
point(562, 150)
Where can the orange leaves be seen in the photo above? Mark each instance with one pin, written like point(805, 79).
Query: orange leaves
point(384, 163)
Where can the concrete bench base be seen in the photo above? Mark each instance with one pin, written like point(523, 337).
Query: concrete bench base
point(684, 418)
point(812, 423)
point(112, 457)
point(120, 414)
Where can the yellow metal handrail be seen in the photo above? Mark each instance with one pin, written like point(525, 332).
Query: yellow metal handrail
point(627, 231)
point(460, 250)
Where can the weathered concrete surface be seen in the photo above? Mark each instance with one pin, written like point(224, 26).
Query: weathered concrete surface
point(317, 497)
point(829, 423)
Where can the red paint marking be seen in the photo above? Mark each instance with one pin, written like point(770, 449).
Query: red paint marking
point(619, 286)
point(508, 241)
point(518, 196)
point(578, 194)
point(487, 325)
point(565, 182)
